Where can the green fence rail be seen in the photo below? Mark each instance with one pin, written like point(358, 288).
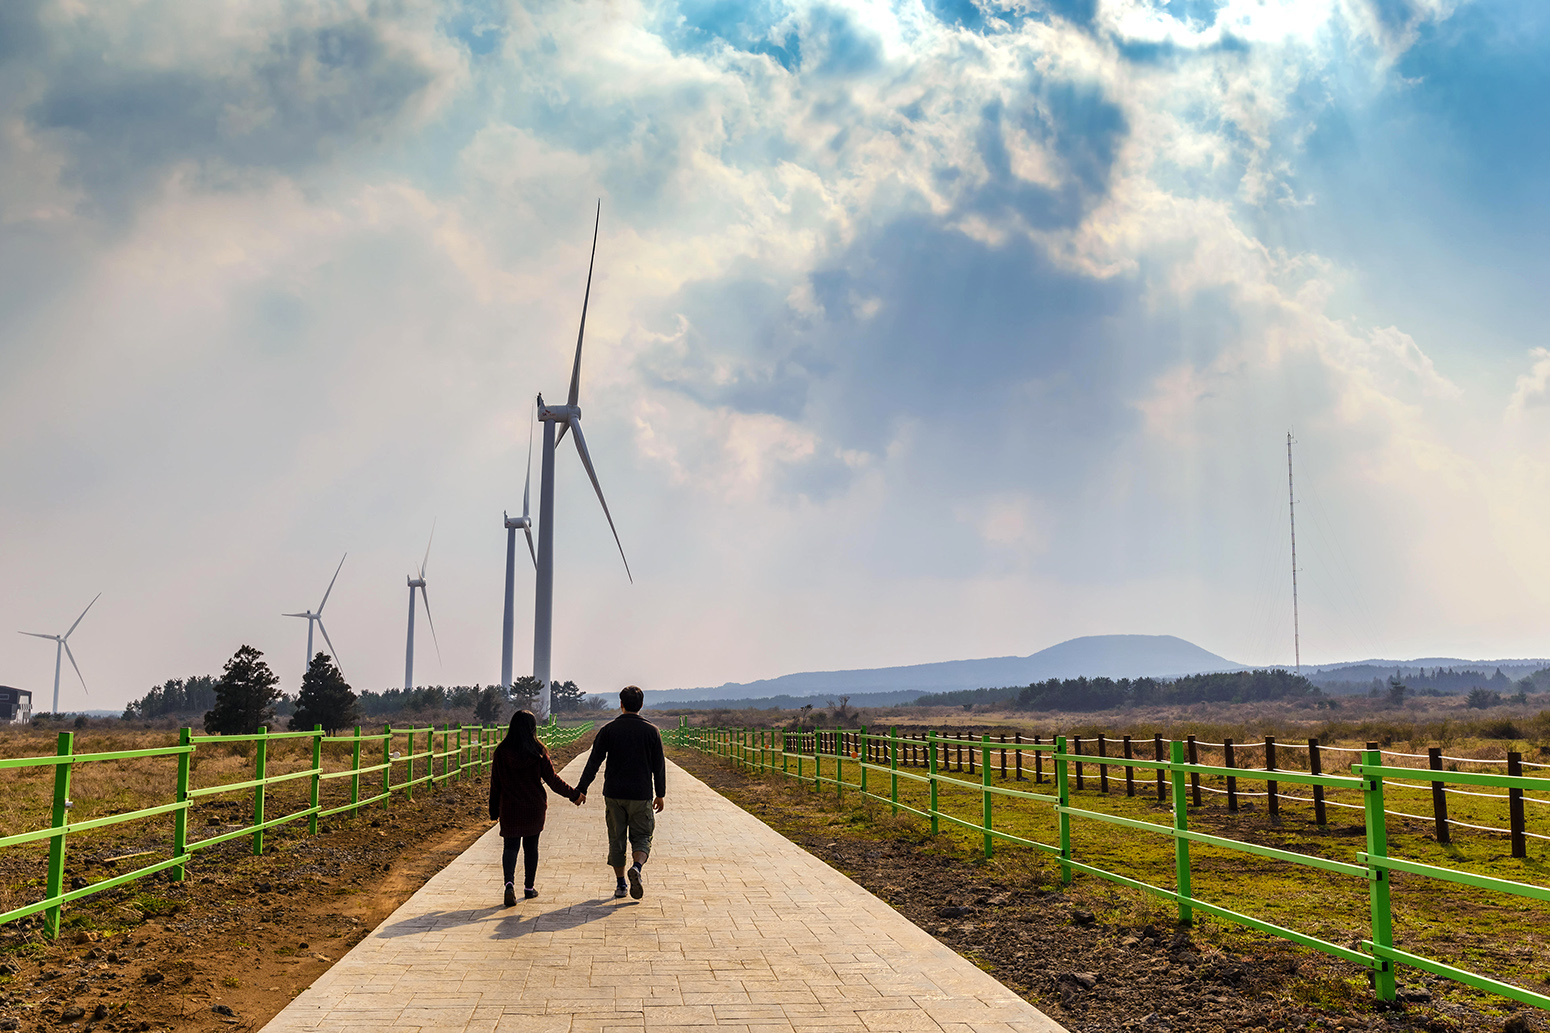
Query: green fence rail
point(869, 764)
point(427, 757)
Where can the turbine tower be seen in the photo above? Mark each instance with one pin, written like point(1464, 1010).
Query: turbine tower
point(62, 649)
point(419, 582)
point(525, 522)
point(316, 618)
point(568, 417)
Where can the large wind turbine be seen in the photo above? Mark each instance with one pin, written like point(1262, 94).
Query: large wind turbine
point(317, 618)
point(62, 649)
point(419, 582)
point(525, 521)
point(568, 417)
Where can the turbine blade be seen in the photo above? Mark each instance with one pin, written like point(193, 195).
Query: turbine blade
point(296, 615)
point(73, 664)
point(83, 614)
point(426, 596)
point(427, 558)
point(561, 435)
point(586, 460)
point(331, 583)
point(527, 485)
point(39, 634)
point(334, 652)
point(531, 552)
point(575, 373)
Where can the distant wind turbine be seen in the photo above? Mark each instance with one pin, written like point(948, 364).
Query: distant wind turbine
point(568, 417)
point(525, 522)
point(62, 649)
point(317, 619)
point(419, 582)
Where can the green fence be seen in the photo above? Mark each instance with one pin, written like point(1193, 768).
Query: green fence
point(869, 764)
point(422, 757)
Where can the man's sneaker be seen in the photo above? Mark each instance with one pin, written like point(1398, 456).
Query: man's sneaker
point(529, 893)
point(637, 890)
point(620, 890)
point(511, 895)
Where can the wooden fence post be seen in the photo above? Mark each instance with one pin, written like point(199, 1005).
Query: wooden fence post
point(1316, 767)
point(1020, 777)
point(1194, 776)
point(1515, 805)
point(1076, 749)
point(1103, 769)
point(1038, 762)
point(1232, 783)
point(1157, 749)
point(1439, 794)
point(1130, 772)
point(1270, 784)
point(1003, 756)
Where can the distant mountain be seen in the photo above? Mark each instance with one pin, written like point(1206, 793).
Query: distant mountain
point(1112, 656)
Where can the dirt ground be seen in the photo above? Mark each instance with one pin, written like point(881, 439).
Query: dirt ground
point(1095, 957)
point(243, 935)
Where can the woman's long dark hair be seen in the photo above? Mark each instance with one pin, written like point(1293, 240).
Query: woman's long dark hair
point(522, 735)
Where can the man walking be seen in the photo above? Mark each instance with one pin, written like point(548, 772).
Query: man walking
point(633, 748)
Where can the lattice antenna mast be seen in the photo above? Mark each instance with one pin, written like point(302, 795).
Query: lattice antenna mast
point(1291, 499)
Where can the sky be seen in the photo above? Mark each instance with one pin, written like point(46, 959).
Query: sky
point(919, 330)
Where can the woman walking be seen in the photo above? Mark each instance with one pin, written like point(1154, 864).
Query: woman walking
point(520, 767)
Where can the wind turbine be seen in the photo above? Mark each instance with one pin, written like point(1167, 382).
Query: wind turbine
point(419, 582)
point(568, 417)
point(525, 521)
point(63, 649)
point(317, 618)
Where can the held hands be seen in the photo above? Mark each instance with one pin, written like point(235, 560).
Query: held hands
point(658, 804)
point(581, 798)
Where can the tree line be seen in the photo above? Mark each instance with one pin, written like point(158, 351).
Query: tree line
point(1089, 694)
point(247, 697)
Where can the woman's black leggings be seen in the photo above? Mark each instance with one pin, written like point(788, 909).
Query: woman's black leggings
point(529, 847)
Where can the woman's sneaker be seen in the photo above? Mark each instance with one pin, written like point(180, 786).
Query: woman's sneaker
point(529, 893)
point(511, 895)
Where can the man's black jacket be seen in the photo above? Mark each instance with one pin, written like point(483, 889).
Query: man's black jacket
point(633, 749)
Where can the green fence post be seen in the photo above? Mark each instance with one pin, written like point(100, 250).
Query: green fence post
point(785, 754)
point(893, 767)
point(387, 766)
point(863, 759)
point(1063, 794)
point(56, 843)
point(931, 772)
point(1378, 878)
point(180, 816)
point(316, 779)
point(1180, 824)
point(409, 774)
point(355, 779)
point(985, 792)
point(839, 765)
point(260, 769)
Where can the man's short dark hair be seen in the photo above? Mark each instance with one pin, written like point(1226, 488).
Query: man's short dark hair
point(632, 698)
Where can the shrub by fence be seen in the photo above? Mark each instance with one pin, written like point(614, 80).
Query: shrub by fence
point(854, 761)
point(463, 750)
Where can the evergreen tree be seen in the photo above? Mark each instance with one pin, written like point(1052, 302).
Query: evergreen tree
point(491, 702)
point(245, 695)
point(565, 696)
point(524, 692)
point(325, 698)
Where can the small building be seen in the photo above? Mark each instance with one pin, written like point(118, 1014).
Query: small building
point(15, 705)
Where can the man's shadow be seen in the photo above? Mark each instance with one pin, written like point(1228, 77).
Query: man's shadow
point(510, 925)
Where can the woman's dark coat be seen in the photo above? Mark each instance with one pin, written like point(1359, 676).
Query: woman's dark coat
point(517, 795)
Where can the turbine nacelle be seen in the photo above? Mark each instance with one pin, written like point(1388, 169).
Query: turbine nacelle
point(416, 582)
point(517, 523)
point(557, 413)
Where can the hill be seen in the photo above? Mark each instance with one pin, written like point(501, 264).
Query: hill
point(1093, 656)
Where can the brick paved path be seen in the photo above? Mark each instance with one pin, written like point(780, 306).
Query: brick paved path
point(740, 929)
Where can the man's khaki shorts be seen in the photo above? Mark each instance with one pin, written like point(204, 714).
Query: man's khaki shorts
point(634, 818)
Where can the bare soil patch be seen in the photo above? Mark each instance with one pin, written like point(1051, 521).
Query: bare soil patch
point(1094, 956)
point(243, 935)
